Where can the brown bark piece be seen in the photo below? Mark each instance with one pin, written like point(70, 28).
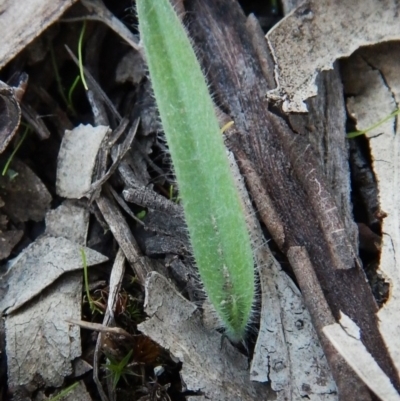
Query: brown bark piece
point(286, 167)
point(10, 115)
point(8, 239)
point(288, 353)
point(349, 385)
point(123, 235)
point(25, 197)
point(324, 126)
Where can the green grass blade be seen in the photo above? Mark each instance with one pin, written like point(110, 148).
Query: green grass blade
point(80, 59)
point(10, 159)
point(355, 134)
point(212, 207)
point(64, 392)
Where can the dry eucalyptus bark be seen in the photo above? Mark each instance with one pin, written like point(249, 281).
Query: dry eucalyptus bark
point(371, 79)
point(21, 22)
point(286, 179)
point(317, 33)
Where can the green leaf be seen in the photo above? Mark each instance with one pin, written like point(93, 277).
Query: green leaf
point(119, 369)
point(211, 202)
point(64, 392)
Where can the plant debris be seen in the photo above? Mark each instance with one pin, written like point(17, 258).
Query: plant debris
point(143, 330)
point(76, 160)
point(323, 32)
point(210, 366)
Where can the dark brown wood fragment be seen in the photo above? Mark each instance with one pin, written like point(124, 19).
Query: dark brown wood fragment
point(287, 169)
point(349, 385)
point(324, 127)
point(168, 224)
point(146, 197)
point(58, 116)
point(159, 245)
point(25, 197)
point(35, 121)
point(8, 239)
point(124, 237)
point(119, 153)
point(95, 87)
point(10, 115)
point(264, 55)
point(365, 182)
